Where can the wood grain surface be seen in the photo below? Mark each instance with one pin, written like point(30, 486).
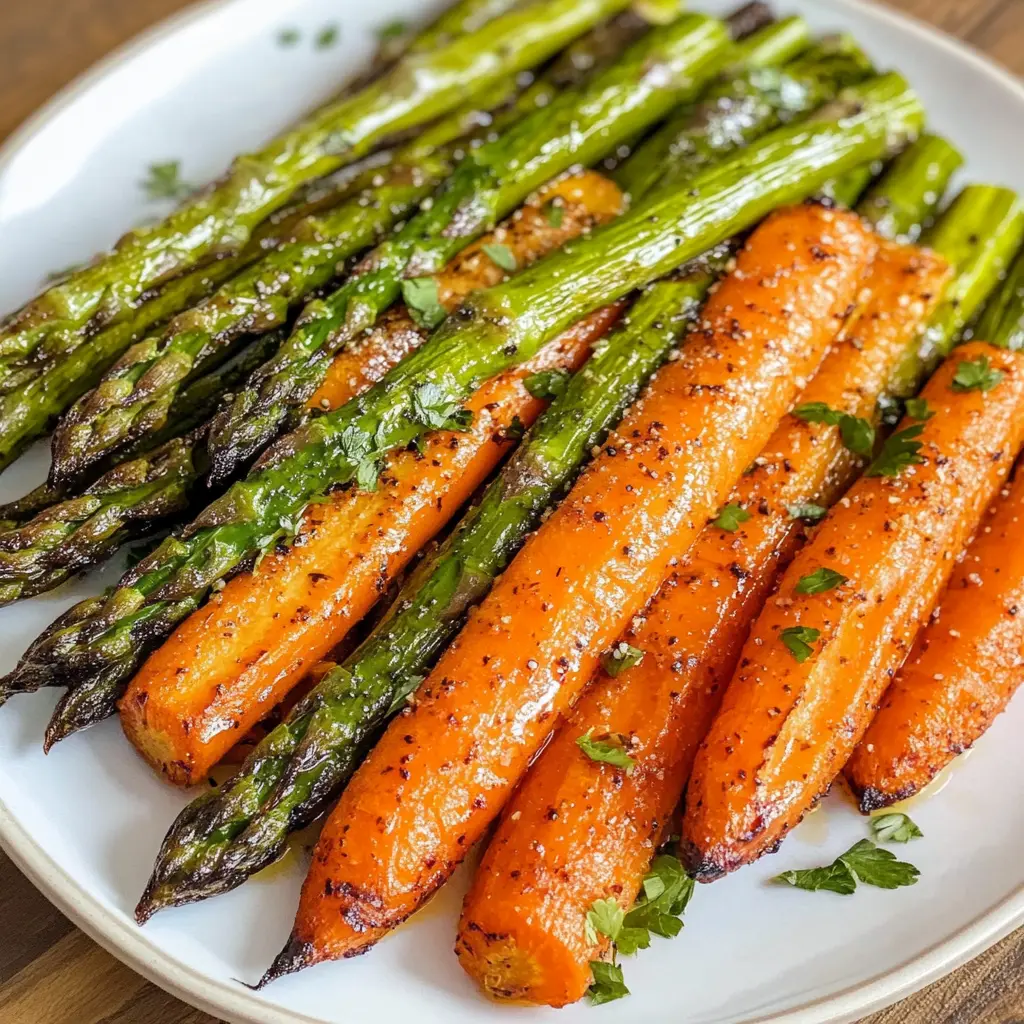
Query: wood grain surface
point(50, 973)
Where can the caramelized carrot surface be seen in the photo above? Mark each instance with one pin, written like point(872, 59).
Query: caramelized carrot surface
point(443, 769)
point(586, 198)
point(800, 701)
point(233, 660)
point(578, 830)
point(964, 669)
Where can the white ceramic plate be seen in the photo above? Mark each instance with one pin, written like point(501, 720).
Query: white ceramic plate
point(85, 822)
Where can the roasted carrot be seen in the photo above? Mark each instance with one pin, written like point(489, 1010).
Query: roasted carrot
point(579, 830)
point(443, 769)
point(964, 669)
point(822, 651)
point(585, 198)
point(230, 662)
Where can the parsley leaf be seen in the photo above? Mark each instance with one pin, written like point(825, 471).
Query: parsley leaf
point(976, 375)
point(621, 657)
point(820, 581)
point(163, 181)
point(502, 255)
point(547, 384)
point(807, 511)
point(817, 412)
point(798, 640)
point(667, 890)
point(327, 37)
point(421, 296)
point(392, 30)
point(608, 984)
point(894, 827)
point(555, 214)
point(610, 750)
point(367, 475)
point(899, 450)
point(919, 409)
point(354, 444)
point(864, 862)
point(858, 435)
point(433, 406)
point(288, 37)
point(604, 917)
point(878, 867)
point(730, 517)
point(834, 877)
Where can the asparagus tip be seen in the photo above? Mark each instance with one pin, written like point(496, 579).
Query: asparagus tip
point(296, 956)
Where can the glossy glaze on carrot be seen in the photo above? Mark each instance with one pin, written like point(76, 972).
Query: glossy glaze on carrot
point(965, 667)
point(577, 830)
point(233, 660)
point(786, 728)
point(443, 769)
point(585, 198)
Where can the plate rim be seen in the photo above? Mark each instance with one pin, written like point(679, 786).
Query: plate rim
point(130, 944)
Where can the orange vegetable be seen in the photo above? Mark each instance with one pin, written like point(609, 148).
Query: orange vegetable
point(232, 661)
point(578, 830)
point(588, 198)
point(787, 726)
point(966, 665)
point(443, 769)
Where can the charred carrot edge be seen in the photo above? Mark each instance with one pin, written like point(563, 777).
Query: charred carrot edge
point(965, 667)
point(230, 662)
point(799, 703)
point(443, 769)
point(578, 830)
point(586, 198)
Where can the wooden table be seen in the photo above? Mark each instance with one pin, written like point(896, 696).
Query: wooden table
point(50, 973)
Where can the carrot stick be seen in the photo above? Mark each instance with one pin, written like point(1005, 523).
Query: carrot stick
point(816, 663)
point(531, 232)
point(443, 769)
point(964, 669)
point(230, 662)
point(579, 830)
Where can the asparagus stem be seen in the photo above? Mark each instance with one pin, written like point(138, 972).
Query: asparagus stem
point(580, 127)
point(980, 235)
point(495, 330)
point(223, 838)
point(220, 221)
point(1002, 322)
point(931, 161)
point(132, 499)
point(749, 102)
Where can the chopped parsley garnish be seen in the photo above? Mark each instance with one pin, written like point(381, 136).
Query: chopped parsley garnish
point(548, 384)
point(808, 512)
point(421, 296)
point(858, 435)
point(919, 409)
point(899, 451)
point(620, 658)
point(502, 255)
point(667, 889)
point(555, 214)
point(894, 827)
point(164, 181)
point(798, 640)
point(433, 406)
point(327, 37)
point(863, 862)
point(288, 37)
point(609, 750)
point(976, 375)
point(820, 581)
point(392, 30)
point(730, 517)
